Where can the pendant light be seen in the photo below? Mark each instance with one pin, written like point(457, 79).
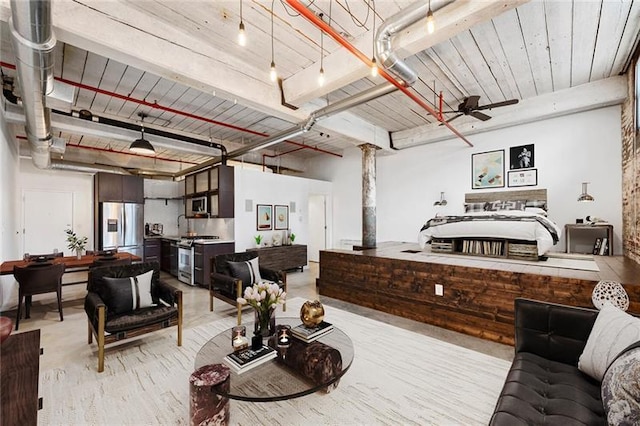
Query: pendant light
point(442, 201)
point(273, 74)
point(374, 63)
point(584, 197)
point(142, 146)
point(242, 36)
point(431, 25)
point(321, 75)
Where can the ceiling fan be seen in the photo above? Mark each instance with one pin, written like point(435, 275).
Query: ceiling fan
point(469, 106)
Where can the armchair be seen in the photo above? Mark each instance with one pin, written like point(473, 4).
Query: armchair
point(227, 287)
point(108, 304)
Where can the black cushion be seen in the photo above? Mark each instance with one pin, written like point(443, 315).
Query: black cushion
point(128, 294)
point(248, 272)
point(147, 316)
point(541, 391)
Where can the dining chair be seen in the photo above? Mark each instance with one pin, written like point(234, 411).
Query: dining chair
point(38, 278)
point(101, 261)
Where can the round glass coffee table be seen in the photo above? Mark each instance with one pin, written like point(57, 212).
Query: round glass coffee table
point(278, 379)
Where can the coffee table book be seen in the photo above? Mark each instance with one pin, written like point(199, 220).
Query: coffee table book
point(247, 359)
point(309, 334)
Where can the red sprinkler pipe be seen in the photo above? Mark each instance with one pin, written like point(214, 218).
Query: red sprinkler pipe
point(327, 29)
point(156, 105)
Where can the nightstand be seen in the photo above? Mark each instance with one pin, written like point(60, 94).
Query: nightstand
point(602, 231)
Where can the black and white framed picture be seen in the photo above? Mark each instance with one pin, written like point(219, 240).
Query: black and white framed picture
point(522, 177)
point(522, 157)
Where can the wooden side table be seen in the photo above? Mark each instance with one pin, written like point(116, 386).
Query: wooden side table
point(602, 231)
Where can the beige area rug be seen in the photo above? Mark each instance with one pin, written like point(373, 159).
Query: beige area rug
point(555, 260)
point(398, 377)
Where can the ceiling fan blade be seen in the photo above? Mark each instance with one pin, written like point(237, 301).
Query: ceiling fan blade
point(470, 102)
point(452, 118)
point(498, 104)
point(480, 115)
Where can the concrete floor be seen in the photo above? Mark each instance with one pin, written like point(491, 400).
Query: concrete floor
point(62, 338)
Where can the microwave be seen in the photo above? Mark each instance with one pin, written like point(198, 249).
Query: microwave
point(196, 205)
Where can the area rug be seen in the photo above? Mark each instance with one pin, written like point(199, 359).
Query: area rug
point(555, 260)
point(398, 377)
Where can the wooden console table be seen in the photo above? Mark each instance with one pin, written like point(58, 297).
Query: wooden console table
point(600, 230)
point(282, 258)
point(19, 369)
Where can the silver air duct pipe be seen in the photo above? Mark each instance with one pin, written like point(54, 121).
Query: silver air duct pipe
point(86, 168)
point(33, 42)
point(319, 114)
point(388, 57)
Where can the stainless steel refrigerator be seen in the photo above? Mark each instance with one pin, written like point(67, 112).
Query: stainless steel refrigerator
point(122, 227)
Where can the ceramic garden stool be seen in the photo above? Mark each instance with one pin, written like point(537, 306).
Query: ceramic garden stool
point(206, 407)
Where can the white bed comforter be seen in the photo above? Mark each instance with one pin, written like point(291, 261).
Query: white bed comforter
point(527, 230)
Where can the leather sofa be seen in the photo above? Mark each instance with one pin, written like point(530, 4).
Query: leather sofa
point(544, 385)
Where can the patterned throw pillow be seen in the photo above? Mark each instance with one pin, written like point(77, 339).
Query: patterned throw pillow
point(129, 293)
point(247, 272)
point(474, 207)
point(537, 203)
point(496, 206)
point(621, 389)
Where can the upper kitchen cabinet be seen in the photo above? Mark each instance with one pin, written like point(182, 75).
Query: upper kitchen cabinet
point(163, 189)
point(217, 186)
point(110, 187)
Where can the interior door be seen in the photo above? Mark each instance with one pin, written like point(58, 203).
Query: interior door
point(46, 214)
point(317, 226)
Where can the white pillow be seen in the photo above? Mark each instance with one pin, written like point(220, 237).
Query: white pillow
point(536, 210)
point(612, 331)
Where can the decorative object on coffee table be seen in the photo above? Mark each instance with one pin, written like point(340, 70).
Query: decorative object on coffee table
point(610, 292)
point(209, 407)
point(264, 298)
point(312, 313)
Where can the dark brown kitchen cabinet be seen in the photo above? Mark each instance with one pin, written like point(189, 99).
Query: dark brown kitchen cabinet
point(152, 250)
point(202, 254)
point(169, 256)
point(217, 184)
point(109, 187)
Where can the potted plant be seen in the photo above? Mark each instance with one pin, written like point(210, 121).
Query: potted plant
point(292, 237)
point(75, 243)
point(258, 239)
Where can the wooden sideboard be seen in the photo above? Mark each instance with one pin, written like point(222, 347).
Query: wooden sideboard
point(19, 370)
point(282, 258)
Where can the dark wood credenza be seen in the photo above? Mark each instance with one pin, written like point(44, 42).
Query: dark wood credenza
point(282, 258)
point(19, 369)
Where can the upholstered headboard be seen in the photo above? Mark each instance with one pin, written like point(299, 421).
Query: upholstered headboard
point(524, 194)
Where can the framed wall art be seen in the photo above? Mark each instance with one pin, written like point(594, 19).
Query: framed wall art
point(521, 157)
point(487, 169)
point(281, 217)
point(264, 212)
point(523, 177)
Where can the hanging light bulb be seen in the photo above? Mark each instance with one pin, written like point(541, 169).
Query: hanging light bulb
point(374, 68)
point(321, 77)
point(431, 25)
point(242, 36)
point(273, 73)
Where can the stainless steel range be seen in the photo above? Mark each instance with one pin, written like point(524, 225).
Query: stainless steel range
point(185, 256)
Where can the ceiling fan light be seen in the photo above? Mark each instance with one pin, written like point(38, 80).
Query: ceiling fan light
point(273, 74)
point(431, 25)
point(242, 36)
point(142, 146)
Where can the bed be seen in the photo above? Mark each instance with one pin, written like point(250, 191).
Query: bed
point(498, 224)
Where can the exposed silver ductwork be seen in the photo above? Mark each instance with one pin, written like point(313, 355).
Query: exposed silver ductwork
point(304, 126)
point(386, 55)
point(33, 42)
point(86, 168)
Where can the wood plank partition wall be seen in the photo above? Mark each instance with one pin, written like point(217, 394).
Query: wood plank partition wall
point(476, 301)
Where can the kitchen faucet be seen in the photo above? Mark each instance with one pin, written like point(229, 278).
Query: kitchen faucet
point(179, 216)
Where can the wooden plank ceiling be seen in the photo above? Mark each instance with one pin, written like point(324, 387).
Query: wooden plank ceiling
point(534, 49)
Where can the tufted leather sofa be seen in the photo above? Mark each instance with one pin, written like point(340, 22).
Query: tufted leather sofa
point(544, 385)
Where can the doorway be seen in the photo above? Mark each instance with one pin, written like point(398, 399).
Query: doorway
point(317, 226)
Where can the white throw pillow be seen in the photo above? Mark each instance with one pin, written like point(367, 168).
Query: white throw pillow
point(612, 331)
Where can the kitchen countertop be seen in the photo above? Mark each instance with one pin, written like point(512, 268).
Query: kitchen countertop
point(177, 238)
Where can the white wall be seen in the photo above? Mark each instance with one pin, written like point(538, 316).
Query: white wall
point(273, 189)
point(9, 208)
point(568, 150)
